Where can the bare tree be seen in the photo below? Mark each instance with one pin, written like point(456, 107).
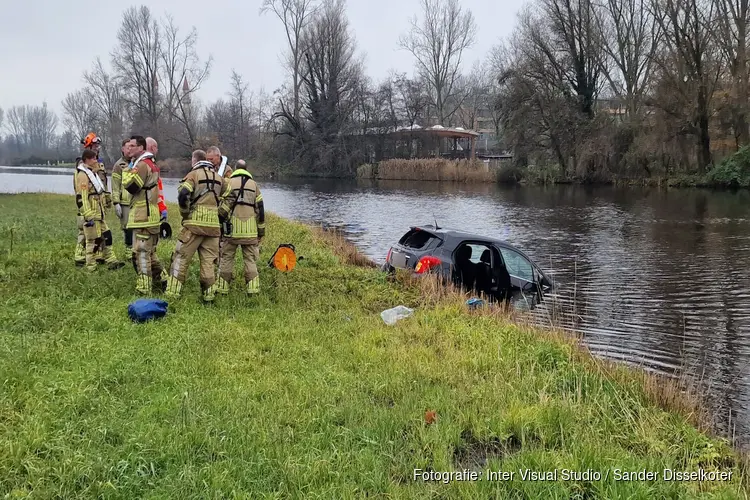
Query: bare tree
point(731, 30)
point(330, 76)
point(630, 38)
point(569, 42)
point(413, 100)
point(32, 127)
point(534, 97)
point(16, 126)
point(183, 74)
point(475, 95)
point(437, 44)
point(689, 67)
point(2, 116)
point(81, 114)
point(136, 60)
point(241, 114)
point(106, 96)
point(263, 111)
point(218, 121)
point(388, 97)
point(295, 16)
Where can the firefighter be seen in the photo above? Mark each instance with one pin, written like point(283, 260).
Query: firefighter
point(198, 196)
point(243, 215)
point(120, 197)
point(93, 142)
point(90, 192)
point(220, 163)
point(141, 180)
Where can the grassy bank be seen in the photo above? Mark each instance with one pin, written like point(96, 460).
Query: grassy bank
point(303, 392)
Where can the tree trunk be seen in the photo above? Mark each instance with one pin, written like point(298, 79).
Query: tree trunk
point(742, 91)
point(704, 137)
point(295, 82)
point(704, 145)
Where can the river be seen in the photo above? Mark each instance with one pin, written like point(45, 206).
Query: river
point(656, 278)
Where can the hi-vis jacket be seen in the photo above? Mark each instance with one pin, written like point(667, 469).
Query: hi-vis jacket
point(244, 207)
point(199, 196)
point(90, 192)
point(118, 194)
point(142, 182)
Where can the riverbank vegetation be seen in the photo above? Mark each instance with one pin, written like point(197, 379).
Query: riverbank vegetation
point(429, 169)
point(303, 391)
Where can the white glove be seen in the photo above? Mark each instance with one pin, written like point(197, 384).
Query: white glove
point(118, 210)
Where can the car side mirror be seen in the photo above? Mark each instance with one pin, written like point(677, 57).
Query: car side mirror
point(529, 287)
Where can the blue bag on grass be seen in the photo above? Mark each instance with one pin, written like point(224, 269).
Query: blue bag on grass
point(147, 309)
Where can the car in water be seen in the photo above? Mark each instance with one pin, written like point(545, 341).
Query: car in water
point(478, 263)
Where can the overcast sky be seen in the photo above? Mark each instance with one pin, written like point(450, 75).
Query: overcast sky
point(51, 42)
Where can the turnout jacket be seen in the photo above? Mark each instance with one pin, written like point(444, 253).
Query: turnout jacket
point(243, 206)
point(101, 172)
point(141, 180)
point(118, 194)
point(89, 194)
point(199, 196)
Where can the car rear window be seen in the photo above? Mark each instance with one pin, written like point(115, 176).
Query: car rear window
point(417, 238)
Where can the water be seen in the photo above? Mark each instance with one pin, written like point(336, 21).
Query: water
point(659, 279)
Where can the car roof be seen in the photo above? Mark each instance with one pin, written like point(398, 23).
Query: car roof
point(464, 235)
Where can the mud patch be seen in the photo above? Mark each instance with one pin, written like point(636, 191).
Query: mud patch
point(474, 453)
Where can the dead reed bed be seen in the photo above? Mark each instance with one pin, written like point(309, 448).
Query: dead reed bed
point(433, 169)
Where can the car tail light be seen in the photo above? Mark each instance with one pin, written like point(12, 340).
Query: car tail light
point(427, 263)
point(388, 257)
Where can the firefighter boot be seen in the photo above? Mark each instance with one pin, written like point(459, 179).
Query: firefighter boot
point(110, 259)
point(160, 285)
point(143, 284)
point(209, 293)
point(174, 287)
point(222, 286)
point(253, 286)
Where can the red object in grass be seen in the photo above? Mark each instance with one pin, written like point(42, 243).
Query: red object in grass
point(430, 417)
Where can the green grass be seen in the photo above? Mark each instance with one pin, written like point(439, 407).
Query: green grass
point(301, 392)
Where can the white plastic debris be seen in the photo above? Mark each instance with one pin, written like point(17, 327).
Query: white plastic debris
point(390, 316)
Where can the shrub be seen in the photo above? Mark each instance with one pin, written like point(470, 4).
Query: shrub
point(733, 171)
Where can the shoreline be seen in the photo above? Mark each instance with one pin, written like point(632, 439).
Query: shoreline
point(223, 397)
point(676, 182)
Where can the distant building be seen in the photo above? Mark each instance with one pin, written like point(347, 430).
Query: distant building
point(186, 92)
point(484, 123)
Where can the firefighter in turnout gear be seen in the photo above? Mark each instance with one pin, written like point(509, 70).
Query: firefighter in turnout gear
point(90, 193)
point(91, 141)
point(120, 197)
point(220, 163)
point(199, 196)
point(141, 181)
point(243, 215)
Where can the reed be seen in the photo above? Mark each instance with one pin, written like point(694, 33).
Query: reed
point(434, 169)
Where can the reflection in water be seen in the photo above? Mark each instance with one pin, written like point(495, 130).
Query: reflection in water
point(652, 277)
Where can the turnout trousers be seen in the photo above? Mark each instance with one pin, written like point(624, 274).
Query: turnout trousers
point(208, 252)
point(98, 245)
point(80, 253)
point(128, 233)
point(145, 261)
point(250, 255)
